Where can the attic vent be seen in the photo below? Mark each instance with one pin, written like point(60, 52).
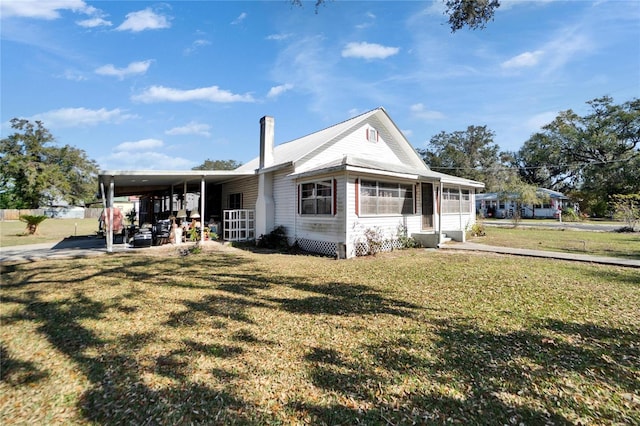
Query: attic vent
point(372, 135)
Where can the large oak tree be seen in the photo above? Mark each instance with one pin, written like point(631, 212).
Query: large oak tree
point(34, 172)
point(593, 156)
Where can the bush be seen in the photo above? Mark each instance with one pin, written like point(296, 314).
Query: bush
point(404, 240)
point(570, 215)
point(276, 239)
point(32, 221)
point(477, 230)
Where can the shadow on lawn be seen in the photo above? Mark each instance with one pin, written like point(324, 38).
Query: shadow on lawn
point(472, 376)
point(459, 373)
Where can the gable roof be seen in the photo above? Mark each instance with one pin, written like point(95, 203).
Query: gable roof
point(297, 150)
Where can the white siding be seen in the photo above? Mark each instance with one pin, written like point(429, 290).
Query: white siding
point(356, 144)
point(249, 189)
point(322, 227)
point(356, 225)
point(285, 200)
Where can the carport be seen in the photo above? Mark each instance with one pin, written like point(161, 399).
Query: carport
point(162, 187)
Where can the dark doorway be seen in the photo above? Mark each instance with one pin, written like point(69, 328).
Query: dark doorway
point(427, 205)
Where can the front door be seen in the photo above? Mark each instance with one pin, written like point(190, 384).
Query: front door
point(427, 205)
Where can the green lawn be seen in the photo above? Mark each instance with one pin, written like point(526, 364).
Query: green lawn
point(12, 233)
point(234, 337)
point(613, 244)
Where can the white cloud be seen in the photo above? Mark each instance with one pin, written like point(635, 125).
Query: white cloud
point(278, 90)
point(139, 67)
point(239, 19)
point(420, 111)
point(368, 51)
point(94, 22)
point(523, 60)
point(142, 20)
point(538, 121)
point(39, 9)
point(144, 160)
point(141, 145)
point(210, 94)
point(73, 75)
point(195, 45)
point(191, 128)
point(279, 37)
point(371, 20)
point(76, 117)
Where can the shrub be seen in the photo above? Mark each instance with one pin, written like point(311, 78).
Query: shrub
point(276, 239)
point(404, 240)
point(570, 215)
point(477, 230)
point(32, 221)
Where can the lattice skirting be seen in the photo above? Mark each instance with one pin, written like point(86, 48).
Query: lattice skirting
point(330, 248)
point(314, 246)
point(362, 248)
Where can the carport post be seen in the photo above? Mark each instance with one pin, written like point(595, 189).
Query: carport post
point(110, 226)
point(202, 197)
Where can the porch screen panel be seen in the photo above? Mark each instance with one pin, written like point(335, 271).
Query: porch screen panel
point(383, 198)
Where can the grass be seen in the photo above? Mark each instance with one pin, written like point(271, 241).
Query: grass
point(235, 337)
point(612, 244)
point(12, 232)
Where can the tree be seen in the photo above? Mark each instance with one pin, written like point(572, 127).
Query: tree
point(627, 207)
point(218, 165)
point(473, 14)
point(597, 154)
point(516, 190)
point(33, 222)
point(471, 154)
point(33, 173)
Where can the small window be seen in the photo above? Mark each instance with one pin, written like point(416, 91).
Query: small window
point(316, 197)
point(235, 201)
point(372, 135)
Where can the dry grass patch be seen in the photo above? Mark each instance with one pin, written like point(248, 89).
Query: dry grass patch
point(232, 337)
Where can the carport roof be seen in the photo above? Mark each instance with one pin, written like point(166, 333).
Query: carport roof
point(139, 182)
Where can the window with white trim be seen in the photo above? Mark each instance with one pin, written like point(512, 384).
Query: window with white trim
point(456, 200)
point(316, 197)
point(384, 198)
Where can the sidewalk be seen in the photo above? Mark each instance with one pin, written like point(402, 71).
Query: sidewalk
point(634, 263)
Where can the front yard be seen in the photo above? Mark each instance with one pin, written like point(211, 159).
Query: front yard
point(226, 337)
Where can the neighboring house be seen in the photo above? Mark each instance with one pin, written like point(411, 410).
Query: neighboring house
point(329, 190)
point(492, 204)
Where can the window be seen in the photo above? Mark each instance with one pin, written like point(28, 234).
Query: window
point(316, 197)
point(382, 198)
point(372, 135)
point(235, 201)
point(453, 199)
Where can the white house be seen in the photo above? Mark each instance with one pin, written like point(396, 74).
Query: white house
point(492, 204)
point(326, 189)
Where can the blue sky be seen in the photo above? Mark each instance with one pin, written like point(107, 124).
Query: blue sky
point(166, 85)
